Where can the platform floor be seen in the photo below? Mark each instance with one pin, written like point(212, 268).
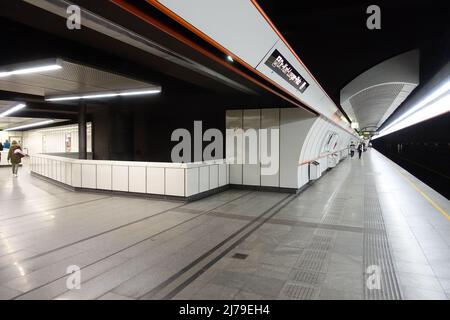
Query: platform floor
point(365, 230)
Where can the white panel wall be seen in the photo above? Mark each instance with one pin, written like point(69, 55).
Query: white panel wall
point(223, 175)
point(104, 177)
point(213, 176)
point(68, 172)
point(251, 172)
point(89, 174)
point(76, 175)
point(156, 180)
point(175, 182)
point(192, 185)
point(137, 179)
point(120, 178)
point(270, 120)
point(204, 179)
point(53, 140)
point(294, 127)
point(234, 120)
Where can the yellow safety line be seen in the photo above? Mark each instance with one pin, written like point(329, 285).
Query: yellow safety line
point(442, 211)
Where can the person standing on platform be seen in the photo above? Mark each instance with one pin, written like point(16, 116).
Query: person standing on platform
point(352, 149)
point(15, 155)
point(360, 150)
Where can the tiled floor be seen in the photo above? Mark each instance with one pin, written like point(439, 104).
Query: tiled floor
point(235, 245)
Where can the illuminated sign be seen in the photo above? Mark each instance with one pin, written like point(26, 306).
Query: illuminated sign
point(279, 64)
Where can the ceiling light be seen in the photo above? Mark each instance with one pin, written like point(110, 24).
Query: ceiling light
point(230, 58)
point(435, 104)
point(100, 95)
point(26, 126)
point(13, 109)
point(30, 70)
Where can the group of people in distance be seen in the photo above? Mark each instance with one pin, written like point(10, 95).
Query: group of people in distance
point(360, 148)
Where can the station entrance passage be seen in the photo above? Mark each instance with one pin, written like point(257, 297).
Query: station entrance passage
point(365, 230)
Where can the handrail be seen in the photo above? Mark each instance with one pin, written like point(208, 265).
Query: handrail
point(321, 156)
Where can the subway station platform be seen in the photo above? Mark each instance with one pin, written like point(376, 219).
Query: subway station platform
point(366, 230)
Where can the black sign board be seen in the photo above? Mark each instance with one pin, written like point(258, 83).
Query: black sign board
point(283, 68)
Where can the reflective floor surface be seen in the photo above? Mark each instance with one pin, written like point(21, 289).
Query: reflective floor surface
point(366, 230)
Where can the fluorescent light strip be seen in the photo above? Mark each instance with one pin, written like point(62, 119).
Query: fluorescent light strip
point(30, 70)
point(435, 94)
point(26, 126)
point(435, 104)
point(104, 95)
point(13, 109)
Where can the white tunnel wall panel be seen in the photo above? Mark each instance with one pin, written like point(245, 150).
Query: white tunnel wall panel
point(307, 153)
point(324, 129)
point(315, 141)
point(213, 176)
point(294, 126)
point(68, 173)
point(58, 171)
point(270, 121)
point(89, 176)
point(223, 175)
point(104, 177)
point(76, 175)
point(192, 185)
point(137, 179)
point(256, 36)
point(251, 172)
point(120, 178)
point(234, 132)
point(175, 182)
point(156, 180)
point(204, 179)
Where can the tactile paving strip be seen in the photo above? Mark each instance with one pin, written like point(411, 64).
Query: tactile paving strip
point(299, 292)
point(310, 264)
point(307, 277)
point(314, 255)
point(377, 250)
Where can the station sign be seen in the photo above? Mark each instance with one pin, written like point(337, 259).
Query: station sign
point(284, 69)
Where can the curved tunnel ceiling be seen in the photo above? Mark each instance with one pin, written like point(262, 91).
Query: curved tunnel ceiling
point(374, 95)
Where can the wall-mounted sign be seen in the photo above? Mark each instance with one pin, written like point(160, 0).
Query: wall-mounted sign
point(282, 67)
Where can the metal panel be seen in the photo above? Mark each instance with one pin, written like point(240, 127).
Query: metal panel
point(223, 20)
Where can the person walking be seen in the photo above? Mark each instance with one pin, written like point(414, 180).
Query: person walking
point(360, 150)
point(15, 155)
point(352, 149)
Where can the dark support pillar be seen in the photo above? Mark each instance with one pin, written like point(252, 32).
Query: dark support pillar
point(82, 138)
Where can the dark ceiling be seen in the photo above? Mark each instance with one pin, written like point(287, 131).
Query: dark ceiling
point(333, 41)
